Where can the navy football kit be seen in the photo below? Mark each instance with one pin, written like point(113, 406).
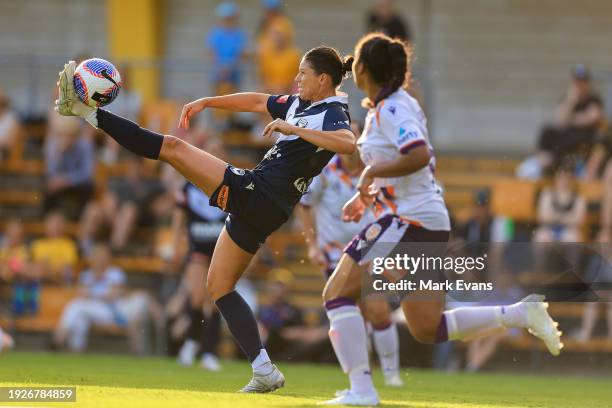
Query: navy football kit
point(260, 200)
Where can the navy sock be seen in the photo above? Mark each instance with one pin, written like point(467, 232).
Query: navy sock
point(442, 332)
point(241, 322)
point(210, 334)
point(128, 134)
point(197, 323)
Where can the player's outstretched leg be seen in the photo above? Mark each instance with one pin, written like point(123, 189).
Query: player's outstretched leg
point(347, 333)
point(201, 168)
point(465, 323)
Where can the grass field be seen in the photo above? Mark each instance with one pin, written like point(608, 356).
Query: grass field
point(117, 381)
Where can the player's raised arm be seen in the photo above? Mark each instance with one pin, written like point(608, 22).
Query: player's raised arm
point(238, 102)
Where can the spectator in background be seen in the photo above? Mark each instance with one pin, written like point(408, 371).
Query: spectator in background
point(10, 127)
point(6, 341)
point(385, 18)
point(561, 208)
point(16, 271)
point(281, 323)
point(54, 256)
point(69, 161)
point(278, 63)
point(578, 119)
point(227, 44)
point(132, 200)
point(274, 23)
point(102, 300)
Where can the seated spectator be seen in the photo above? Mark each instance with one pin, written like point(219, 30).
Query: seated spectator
point(227, 45)
point(605, 231)
point(54, 256)
point(131, 200)
point(102, 300)
point(599, 277)
point(385, 18)
point(69, 161)
point(10, 127)
point(6, 341)
point(16, 271)
point(599, 162)
point(281, 323)
point(561, 209)
point(574, 132)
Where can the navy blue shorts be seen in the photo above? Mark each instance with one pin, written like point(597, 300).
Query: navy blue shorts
point(201, 248)
point(252, 215)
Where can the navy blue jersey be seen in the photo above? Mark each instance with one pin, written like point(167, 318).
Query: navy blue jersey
point(287, 169)
point(204, 222)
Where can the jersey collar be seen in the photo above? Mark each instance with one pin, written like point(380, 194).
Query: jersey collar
point(341, 97)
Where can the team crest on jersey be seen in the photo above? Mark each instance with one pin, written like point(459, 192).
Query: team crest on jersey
point(238, 172)
point(372, 232)
point(302, 123)
point(302, 184)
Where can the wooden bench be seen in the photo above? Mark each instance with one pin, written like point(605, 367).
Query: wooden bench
point(52, 303)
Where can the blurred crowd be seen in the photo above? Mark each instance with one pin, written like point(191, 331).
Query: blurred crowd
point(94, 216)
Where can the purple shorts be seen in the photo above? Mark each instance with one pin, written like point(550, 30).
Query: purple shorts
point(382, 237)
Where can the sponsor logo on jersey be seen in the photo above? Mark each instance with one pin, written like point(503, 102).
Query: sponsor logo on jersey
point(302, 123)
point(302, 184)
point(206, 231)
point(236, 171)
point(372, 232)
point(272, 153)
point(251, 186)
point(405, 136)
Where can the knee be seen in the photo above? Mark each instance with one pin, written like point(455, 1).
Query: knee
point(170, 148)
point(217, 287)
point(425, 335)
point(378, 315)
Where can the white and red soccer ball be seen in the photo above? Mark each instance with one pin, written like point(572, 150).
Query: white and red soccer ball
point(97, 82)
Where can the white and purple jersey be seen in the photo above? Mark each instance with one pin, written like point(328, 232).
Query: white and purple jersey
point(392, 129)
point(327, 194)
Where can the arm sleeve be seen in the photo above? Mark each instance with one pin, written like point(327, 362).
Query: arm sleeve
point(402, 128)
point(336, 118)
point(278, 105)
point(315, 191)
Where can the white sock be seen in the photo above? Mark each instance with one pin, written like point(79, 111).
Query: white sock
point(386, 343)
point(347, 333)
point(465, 323)
point(514, 315)
point(262, 364)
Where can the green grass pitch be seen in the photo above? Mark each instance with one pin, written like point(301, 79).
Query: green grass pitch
point(120, 381)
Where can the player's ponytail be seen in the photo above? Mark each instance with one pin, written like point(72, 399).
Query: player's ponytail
point(327, 60)
point(347, 65)
point(386, 60)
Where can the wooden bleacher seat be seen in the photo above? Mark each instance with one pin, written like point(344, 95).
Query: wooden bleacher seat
point(52, 303)
point(515, 199)
point(161, 116)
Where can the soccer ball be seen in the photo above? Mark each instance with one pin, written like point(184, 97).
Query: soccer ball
point(96, 82)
